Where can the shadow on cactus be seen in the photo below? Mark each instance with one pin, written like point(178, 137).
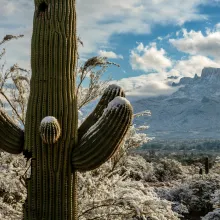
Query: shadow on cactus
point(50, 138)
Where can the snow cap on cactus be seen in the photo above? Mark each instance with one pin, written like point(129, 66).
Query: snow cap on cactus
point(50, 130)
point(116, 102)
point(113, 86)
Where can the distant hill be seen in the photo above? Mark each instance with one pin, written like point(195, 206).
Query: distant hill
point(192, 112)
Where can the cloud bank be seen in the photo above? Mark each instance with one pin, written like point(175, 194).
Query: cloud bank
point(196, 43)
point(144, 86)
point(100, 20)
point(97, 22)
point(150, 58)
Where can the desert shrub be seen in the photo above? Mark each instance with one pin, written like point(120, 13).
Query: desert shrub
point(167, 170)
point(121, 193)
point(214, 215)
point(195, 194)
point(12, 191)
point(137, 168)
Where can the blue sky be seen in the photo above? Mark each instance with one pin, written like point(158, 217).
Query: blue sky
point(150, 39)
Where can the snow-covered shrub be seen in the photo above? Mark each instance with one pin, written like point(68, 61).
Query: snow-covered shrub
point(134, 139)
point(215, 198)
point(111, 194)
point(179, 208)
point(137, 168)
point(12, 192)
point(195, 194)
point(118, 189)
point(214, 215)
point(167, 170)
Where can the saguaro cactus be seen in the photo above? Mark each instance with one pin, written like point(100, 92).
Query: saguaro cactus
point(51, 137)
point(206, 165)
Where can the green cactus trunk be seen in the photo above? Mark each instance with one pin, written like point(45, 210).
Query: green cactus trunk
point(51, 189)
point(51, 195)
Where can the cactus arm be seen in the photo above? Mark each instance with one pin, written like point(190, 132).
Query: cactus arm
point(103, 139)
point(11, 136)
point(109, 94)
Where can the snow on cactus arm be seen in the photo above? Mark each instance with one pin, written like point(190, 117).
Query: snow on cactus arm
point(109, 94)
point(116, 103)
point(103, 139)
point(11, 136)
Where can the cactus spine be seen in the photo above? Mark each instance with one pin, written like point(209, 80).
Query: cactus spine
point(53, 144)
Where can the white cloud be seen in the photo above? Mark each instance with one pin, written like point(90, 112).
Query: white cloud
point(97, 23)
point(196, 43)
point(109, 54)
point(217, 26)
point(15, 19)
point(149, 58)
point(16, 13)
point(149, 85)
point(156, 84)
point(191, 66)
point(99, 20)
point(17, 50)
point(7, 8)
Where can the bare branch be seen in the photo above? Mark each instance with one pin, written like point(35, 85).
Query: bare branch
point(10, 37)
point(96, 85)
point(80, 41)
point(2, 53)
point(143, 113)
point(12, 106)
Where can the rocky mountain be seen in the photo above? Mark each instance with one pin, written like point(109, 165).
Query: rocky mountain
point(192, 112)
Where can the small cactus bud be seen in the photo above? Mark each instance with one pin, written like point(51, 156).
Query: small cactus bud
point(50, 130)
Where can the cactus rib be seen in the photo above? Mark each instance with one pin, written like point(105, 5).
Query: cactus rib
point(52, 193)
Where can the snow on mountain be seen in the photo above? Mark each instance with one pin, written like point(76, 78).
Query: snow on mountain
point(211, 74)
point(192, 112)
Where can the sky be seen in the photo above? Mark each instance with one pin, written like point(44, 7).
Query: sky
point(150, 39)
